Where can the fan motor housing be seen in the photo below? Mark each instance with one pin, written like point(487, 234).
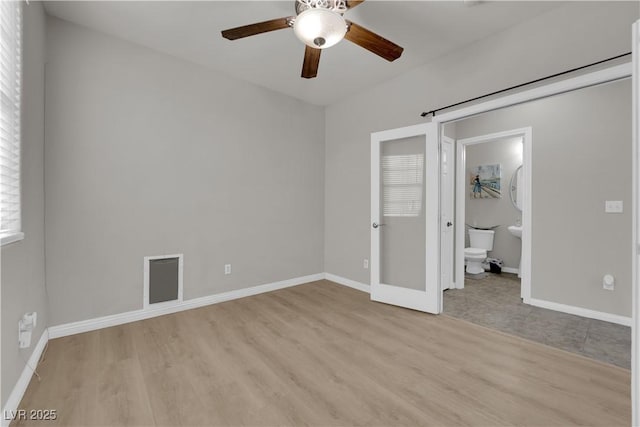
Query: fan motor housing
point(300, 7)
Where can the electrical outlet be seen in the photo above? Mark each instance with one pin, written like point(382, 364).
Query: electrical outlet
point(608, 282)
point(613, 206)
point(365, 264)
point(25, 327)
point(227, 269)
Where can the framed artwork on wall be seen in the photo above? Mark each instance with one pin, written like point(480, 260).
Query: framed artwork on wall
point(484, 181)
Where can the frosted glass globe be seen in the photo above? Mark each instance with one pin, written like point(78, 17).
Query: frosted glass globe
point(320, 28)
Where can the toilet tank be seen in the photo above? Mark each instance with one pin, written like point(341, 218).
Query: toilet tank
point(481, 239)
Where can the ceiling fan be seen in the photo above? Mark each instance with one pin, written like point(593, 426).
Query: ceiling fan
point(320, 24)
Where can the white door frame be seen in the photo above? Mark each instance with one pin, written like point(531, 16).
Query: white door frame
point(597, 77)
point(428, 300)
point(525, 264)
point(447, 214)
point(635, 325)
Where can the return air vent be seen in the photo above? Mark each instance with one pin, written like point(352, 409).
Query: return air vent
point(162, 280)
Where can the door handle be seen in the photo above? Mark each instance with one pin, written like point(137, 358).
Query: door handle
point(376, 225)
point(449, 223)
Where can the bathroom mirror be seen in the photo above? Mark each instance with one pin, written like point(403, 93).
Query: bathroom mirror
point(514, 192)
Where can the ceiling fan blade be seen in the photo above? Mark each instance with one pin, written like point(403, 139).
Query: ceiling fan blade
point(257, 28)
point(373, 42)
point(353, 3)
point(311, 62)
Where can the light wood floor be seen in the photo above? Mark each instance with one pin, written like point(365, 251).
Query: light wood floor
point(320, 354)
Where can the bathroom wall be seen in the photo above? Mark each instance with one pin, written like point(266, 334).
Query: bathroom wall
point(581, 158)
point(489, 212)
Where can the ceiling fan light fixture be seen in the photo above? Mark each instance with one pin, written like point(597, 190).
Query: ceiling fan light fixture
point(320, 28)
point(319, 24)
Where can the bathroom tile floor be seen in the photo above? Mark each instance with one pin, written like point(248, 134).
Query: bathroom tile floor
point(494, 301)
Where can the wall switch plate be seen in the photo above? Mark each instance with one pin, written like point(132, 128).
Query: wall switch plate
point(613, 206)
point(365, 264)
point(227, 269)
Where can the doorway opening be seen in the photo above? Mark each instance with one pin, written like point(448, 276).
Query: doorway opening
point(573, 245)
point(492, 199)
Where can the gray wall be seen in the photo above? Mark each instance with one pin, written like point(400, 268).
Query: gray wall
point(150, 155)
point(581, 157)
point(488, 212)
point(23, 279)
point(570, 36)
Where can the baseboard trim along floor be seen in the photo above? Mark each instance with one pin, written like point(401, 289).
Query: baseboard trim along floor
point(348, 282)
point(579, 311)
point(564, 308)
point(9, 412)
point(133, 316)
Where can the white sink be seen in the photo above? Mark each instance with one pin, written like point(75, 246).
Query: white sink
point(516, 230)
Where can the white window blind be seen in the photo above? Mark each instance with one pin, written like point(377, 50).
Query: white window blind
point(402, 185)
point(10, 80)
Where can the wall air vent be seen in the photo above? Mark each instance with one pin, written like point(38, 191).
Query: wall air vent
point(162, 280)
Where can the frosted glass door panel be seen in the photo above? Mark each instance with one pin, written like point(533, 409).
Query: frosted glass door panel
point(402, 197)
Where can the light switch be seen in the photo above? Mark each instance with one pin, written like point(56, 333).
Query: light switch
point(613, 206)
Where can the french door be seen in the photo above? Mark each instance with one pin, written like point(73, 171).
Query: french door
point(405, 243)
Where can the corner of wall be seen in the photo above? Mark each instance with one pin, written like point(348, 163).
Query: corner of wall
point(23, 280)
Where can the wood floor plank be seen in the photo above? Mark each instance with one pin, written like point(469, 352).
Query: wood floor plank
point(264, 394)
point(518, 364)
point(379, 375)
point(326, 383)
point(319, 354)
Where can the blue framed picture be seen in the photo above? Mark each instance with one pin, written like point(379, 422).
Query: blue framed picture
point(484, 181)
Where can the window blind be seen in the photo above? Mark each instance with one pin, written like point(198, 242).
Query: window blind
point(10, 80)
point(402, 178)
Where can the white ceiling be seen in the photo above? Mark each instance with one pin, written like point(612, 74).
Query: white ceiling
point(191, 31)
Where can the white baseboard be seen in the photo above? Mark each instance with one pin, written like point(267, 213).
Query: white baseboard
point(23, 381)
point(133, 316)
point(510, 270)
point(348, 282)
point(579, 311)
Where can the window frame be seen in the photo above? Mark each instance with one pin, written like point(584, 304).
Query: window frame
point(16, 234)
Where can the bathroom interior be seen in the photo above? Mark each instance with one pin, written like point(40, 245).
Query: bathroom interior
point(578, 276)
point(493, 213)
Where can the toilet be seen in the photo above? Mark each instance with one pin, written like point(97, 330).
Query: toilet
point(481, 242)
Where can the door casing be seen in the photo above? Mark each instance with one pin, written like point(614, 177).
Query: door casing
point(447, 213)
point(525, 268)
